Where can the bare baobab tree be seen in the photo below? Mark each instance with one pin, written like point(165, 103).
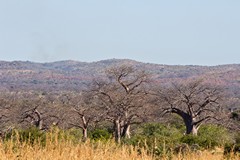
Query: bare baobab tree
point(40, 112)
point(194, 101)
point(123, 97)
point(83, 113)
point(30, 111)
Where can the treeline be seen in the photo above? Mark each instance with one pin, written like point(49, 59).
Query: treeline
point(121, 103)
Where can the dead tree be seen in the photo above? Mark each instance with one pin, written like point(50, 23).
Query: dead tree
point(123, 96)
point(195, 102)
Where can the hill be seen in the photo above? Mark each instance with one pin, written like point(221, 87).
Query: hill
point(74, 75)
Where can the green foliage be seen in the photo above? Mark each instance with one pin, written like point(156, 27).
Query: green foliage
point(163, 140)
point(177, 122)
point(209, 136)
point(34, 135)
point(213, 135)
point(233, 147)
point(160, 130)
point(73, 134)
point(156, 138)
point(30, 135)
point(237, 138)
point(100, 135)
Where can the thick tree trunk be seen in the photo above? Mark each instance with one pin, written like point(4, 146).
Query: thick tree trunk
point(117, 130)
point(191, 128)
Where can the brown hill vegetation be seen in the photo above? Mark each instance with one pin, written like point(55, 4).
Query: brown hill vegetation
point(74, 75)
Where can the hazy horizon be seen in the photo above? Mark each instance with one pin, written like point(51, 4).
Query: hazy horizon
point(42, 62)
point(162, 32)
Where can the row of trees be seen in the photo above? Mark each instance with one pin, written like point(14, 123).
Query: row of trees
point(125, 97)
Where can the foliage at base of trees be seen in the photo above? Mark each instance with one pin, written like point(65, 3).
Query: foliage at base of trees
point(233, 147)
point(100, 135)
point(31, 135)
point(162, 139)
point(158, 139)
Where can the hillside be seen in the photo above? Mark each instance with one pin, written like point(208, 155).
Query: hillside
point(74, 75)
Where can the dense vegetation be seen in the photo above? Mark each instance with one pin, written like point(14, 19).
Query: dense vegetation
point(151, 141)
point(127, 106)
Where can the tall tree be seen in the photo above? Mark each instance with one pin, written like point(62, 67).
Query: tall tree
point(123, 96)
point(194, 101)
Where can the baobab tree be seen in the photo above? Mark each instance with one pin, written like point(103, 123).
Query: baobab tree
point(194, 101)
point(123, 97)
point(34, 117)
point(40, 111)
point(83, 113)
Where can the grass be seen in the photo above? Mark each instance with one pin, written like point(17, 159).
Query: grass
point(68, 151)
point(65, 149)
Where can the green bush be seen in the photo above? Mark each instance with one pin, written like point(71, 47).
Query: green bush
point(30, 135)
point(237, 138)
point(156, 138)
point(209, 136)
point(233, 146)
point(213, 135)
point(177, 122)
point(164, 140)
point(73, 134)
point(100, 135)
point(159, 130)
point(190, 139)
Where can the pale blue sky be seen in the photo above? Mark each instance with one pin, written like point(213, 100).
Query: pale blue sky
point(203, 32)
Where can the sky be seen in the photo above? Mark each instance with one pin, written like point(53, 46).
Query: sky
point(186, 32)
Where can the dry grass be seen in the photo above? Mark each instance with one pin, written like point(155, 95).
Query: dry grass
point(217, 154)
point(69, 151)
point(66, 150)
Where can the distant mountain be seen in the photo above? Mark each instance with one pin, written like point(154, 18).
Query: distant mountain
point(74, 75)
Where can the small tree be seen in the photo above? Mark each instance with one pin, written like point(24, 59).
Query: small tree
point(83, 112)
point(40, 111)
point(30, 111)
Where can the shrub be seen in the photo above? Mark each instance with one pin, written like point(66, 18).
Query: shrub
point(209, 136)
point(100, 135)
point(159, 130)
point(212, 136)
point(156, 138)
point(30, 135)
point(233, 147)
point(73, 134)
